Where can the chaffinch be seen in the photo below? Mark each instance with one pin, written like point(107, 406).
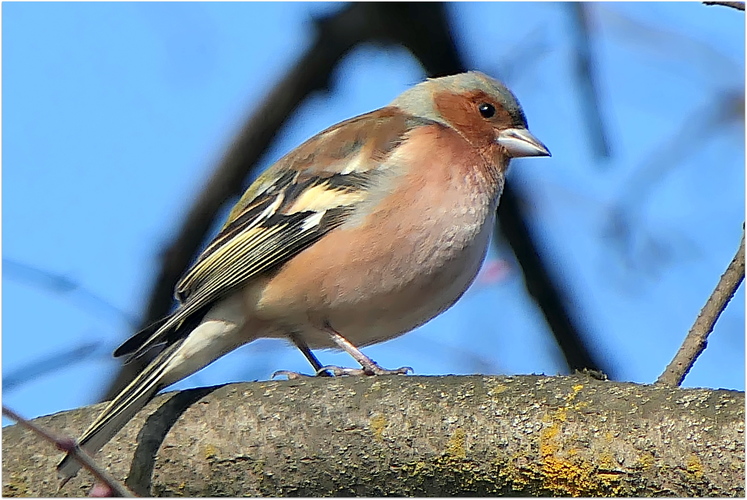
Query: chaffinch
point(364, 232)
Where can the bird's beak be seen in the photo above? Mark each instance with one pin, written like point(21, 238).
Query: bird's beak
point(519, 142)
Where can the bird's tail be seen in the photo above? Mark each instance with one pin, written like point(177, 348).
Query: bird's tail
point(187, 350)
point(122, 408)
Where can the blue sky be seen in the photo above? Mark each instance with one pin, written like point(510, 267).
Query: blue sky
point(114, 114)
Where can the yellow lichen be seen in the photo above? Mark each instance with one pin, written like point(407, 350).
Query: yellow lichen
point(497, 389)
point(606, 461)
point(646, 460)
point(563, 477)
point(378, 424)
point(694, 466)
point(564, 472)
point(210, 451)
point(16, 487)
point(418, 468)
point(519, 477)
point(455, 447)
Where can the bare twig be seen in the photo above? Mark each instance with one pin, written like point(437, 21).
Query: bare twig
point(70, 446)
point(733, 5)
point(696, 340)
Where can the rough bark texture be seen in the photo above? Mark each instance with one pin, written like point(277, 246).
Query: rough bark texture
point(424, 436)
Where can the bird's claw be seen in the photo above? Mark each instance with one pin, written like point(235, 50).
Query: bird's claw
point(295, 375)
point(289, 374)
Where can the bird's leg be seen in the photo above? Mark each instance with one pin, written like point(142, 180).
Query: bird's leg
point(368, 366)
point(306, 351)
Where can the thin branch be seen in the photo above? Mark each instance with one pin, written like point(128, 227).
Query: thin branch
point(696, 340)
point(733, 5)
point(70, 446)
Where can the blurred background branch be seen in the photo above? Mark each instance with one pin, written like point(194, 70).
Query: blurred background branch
point(59, 284)
point(586, 80)
point(50, 363)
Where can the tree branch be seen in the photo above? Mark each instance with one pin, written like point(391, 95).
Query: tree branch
point(697, 339)
point(412, 436)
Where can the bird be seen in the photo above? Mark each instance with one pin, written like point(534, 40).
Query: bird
point(364, 232)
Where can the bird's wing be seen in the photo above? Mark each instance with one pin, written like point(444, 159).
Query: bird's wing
point(293, 204)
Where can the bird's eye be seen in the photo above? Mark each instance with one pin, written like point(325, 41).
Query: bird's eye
point(487, 110)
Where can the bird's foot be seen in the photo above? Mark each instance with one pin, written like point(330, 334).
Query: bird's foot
point(370, 370)
point(368, 366)
point(339, 371)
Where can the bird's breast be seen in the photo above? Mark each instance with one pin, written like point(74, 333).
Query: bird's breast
point(406, 254)
point(393, 287)
point(395, 264)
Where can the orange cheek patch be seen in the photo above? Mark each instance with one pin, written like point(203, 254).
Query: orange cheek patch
point(460, 110)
